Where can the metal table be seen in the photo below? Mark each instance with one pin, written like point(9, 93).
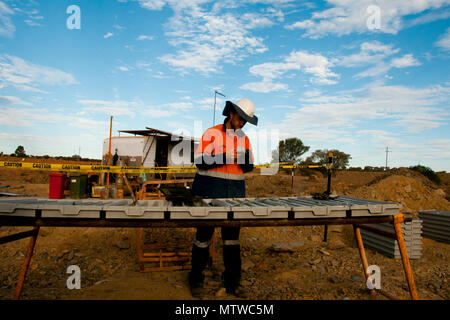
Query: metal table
point(245, 212)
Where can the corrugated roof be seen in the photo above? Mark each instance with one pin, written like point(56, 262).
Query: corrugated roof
point(155, 132)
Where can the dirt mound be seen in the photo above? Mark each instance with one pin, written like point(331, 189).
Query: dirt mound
point(410, 174)
point(408, 191)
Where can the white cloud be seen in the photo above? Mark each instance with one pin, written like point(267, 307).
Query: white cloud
point(380, 69)
point(264, 86)
point(429, 17)
point(208, 103)
point(284, 107)
point(144, 37)
point(370, 53)
point(312, 93)
point(406, 61)
point(345, 17)
point(8, 100)
point(159, 75)
point(7, 28)
point(130, 108)
point(413, 110)
point(167, 109)
point(255, 20)
point(32, 23)
point(314, 64)
point(16, 117)
point(179, 105)
point(24, 75)
point(108, 35)
point(207, 39)
point(124, 69)
point(160, 113)
point(116, 108)
point(274, 2)
point(152, 4)
point(376, 54)
point(142, 64)
point(20, 137)
point(444, 41)
point(56, 145)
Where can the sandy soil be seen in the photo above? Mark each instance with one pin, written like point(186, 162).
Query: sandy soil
point(311, 269)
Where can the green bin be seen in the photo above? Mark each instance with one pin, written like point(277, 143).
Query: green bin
point(78, 186)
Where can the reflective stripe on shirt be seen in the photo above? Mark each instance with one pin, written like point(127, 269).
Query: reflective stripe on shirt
point(221, 175)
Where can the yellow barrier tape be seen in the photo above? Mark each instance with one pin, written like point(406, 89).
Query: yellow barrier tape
point(119, 169)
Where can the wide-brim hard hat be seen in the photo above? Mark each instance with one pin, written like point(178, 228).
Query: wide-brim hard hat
point(244, 107)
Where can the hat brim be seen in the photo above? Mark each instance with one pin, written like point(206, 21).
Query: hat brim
point(229, 106)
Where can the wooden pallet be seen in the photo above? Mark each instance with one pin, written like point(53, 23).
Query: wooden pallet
point(154, 257)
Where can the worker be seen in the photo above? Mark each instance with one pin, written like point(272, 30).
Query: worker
point(222, 157)
point(115, 158)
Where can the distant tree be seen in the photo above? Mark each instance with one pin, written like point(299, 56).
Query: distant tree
point(289, 150)
point(340, 159)
point(20, 152)
point(427, 172)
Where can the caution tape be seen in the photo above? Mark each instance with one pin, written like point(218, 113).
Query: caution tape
point(121, 169)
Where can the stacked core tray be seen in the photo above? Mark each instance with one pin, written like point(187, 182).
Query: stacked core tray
point(242, 208)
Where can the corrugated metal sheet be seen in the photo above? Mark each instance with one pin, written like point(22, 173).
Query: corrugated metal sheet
point(436, 225)
point(412, 233)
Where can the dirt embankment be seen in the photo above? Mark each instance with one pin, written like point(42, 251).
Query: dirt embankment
point(413, 190)
point(410, 192)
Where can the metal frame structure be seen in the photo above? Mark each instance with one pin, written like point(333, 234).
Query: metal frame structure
point(357, 222)
point(156, 253)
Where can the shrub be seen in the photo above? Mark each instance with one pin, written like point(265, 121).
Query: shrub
point(427, 172)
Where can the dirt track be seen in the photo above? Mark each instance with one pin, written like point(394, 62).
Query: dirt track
point(312, 269)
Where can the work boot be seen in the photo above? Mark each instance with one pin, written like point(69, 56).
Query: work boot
point(196, 284)
point(198, 292)
point(238, 292)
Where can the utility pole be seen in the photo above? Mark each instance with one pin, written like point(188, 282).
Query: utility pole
point(109, 150)
point(387, 151)
point(215, 95)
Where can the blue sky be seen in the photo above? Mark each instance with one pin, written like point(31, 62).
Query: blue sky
point(355, 76)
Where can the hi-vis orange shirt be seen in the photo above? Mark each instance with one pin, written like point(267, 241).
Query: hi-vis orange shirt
point(216, 146)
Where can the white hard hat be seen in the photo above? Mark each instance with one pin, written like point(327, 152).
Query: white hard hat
point(244, 107)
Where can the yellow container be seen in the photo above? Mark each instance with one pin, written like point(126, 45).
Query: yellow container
point(96, 191)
